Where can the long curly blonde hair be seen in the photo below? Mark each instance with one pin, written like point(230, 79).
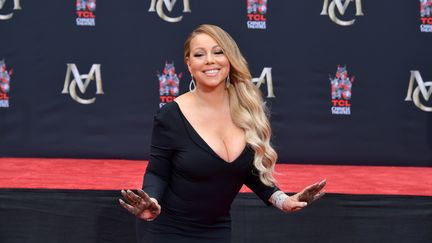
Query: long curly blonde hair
point(246, 104)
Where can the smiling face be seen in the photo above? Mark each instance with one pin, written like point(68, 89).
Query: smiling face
point(207, 62)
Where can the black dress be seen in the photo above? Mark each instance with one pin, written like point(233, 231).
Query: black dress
point(194, 186)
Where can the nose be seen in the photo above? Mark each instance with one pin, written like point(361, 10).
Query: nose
point(210, 58)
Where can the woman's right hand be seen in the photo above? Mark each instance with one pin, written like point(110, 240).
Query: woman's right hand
point(140, 205)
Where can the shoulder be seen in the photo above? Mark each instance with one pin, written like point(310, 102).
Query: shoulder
point(168, 113)
point(165, 126)
point(185, 102)
point(174, 107)
point(172, 112)
point(168, 108)
point(184, 99)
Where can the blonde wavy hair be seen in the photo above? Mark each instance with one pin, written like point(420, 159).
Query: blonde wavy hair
point(246, 104)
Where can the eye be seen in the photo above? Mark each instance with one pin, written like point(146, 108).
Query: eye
point(198, 54)
point(219, 52)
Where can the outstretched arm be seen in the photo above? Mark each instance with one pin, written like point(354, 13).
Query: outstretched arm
point(140, 205)
point(145, 205)
point(300, 200)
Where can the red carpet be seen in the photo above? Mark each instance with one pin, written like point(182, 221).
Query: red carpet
point(121, 174)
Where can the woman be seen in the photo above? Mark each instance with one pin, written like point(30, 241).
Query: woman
point(205, 146)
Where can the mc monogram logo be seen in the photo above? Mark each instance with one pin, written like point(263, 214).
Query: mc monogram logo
point(266, 77)
point(17, 6)
point(414, 95)
point(70, 86)
point(169, 4)
point(330, 10)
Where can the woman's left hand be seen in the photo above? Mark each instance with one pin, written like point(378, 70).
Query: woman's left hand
point(305, 197)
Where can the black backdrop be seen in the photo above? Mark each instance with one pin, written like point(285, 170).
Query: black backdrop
point(302, 47)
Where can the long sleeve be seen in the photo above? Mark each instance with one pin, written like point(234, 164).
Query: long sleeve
point(262, 191)
point(158, 173)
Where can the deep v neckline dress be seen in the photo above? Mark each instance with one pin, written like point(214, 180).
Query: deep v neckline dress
point(201, 141)
point(194, 186)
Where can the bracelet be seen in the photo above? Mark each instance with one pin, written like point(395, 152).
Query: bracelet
point(278, 198)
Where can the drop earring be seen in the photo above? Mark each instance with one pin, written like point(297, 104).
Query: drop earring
point(228, 82)
point(192, 85)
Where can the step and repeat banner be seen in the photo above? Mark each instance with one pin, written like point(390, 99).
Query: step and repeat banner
point(346, 81)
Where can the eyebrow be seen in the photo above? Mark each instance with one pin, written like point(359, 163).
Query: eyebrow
point(201, 48)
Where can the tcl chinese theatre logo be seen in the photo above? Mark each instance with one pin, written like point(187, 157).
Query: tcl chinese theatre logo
point(341, 92)
point(85, 10)
point(169, 84)
point(256, 14)
point(5, 79)
point(425, 15)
